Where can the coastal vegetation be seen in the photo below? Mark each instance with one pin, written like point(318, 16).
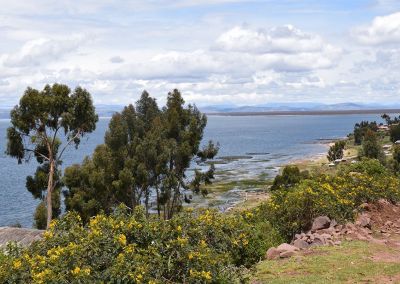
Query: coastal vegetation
point(37, 121)
point(126, 221)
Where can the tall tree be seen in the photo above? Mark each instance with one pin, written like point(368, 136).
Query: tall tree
point(371, 147)
point(336, 151)
point(144, 159)
point(39, 120)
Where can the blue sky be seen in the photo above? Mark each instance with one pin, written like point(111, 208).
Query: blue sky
point(243, 52)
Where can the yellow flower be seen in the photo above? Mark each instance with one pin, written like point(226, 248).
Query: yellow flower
point(206, 275)
point(122, 239)
point(17, 264)
point(179, 228)
point(76, 270)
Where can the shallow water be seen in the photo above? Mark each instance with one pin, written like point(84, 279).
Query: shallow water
point(262, 142)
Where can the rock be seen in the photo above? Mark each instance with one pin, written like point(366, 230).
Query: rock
point(337, 243)
point(326, 236)
point(333, 223)
point(318, 241)
point(286, 247)
point(389, 224)
point(321, 222)
point(301, 244)
point(364, 221)
point(272, 253)
point(360, 237)
point(287, 254)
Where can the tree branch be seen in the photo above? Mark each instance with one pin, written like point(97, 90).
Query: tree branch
point(68, 143)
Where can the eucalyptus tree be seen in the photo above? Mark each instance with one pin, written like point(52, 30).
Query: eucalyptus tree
point(147, 150)
point(38, 122)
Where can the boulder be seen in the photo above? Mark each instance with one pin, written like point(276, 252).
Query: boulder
point(286, 247)
point(318, 241)
point(272, 253)
point(364, 221)
point(333, 223)
point(321, 222)
point(301, 244)
point(287, 254)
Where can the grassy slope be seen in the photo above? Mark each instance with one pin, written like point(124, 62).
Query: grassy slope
point(352, 262)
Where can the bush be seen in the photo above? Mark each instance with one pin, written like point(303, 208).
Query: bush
point(293, 210)
point(40, 216)
point(193, 247)
point(290, 176)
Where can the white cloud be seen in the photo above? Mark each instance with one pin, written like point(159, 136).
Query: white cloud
point(41, 51)
point(382, 30)
point(281, 39)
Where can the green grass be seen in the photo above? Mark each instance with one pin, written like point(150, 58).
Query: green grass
point(349, 263)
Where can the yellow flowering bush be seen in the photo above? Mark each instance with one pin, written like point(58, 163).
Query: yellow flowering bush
point(338, 196)
point(201, 246)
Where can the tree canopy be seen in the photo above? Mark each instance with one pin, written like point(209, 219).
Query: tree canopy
point(143, 161)
point(38, 122)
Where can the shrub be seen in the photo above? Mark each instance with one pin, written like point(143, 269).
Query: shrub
point(193, 247)
point(290, 176)
point(293, 210)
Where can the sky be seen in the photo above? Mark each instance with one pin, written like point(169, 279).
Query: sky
point(216, 52)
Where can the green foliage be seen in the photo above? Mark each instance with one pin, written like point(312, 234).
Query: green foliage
point(146, 150)
point(371, 148)
point(293, 210)
point(193, 247)
point(394, 132)
point(36, 123)
point(290, 176)
point(360, 129)
point(40, 217)
point(336, 151)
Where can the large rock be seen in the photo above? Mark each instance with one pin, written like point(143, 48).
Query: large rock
point(272, 253)
point(286, 247)
point(364, 221)
point(301, 244)
point(287, 254)
point(321, 222)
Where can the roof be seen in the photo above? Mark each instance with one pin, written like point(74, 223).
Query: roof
point(22, 236)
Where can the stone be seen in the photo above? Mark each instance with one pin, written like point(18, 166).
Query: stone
point(327, 236)
point(287, 254)
point(286, 247)
point(321, 222)
point(333, 223)
point(337, 243)
point(272, 253)
point(360, 237)
point(364, 221)
point(319, 239)
point(301, 244)
point(389, 224)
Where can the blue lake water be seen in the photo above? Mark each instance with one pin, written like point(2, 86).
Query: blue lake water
point(263, 142)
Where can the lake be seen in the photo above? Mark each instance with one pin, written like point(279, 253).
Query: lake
point(249, 146)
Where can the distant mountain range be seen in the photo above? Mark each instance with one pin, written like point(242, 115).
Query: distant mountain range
point(298, 107)
point(109, 110)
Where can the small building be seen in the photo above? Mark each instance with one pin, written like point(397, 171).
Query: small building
point(387, 147)
point(383, 128)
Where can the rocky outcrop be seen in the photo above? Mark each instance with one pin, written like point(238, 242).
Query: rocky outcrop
point(22, 236)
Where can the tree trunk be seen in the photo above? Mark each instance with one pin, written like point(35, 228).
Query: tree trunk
point(49, 192)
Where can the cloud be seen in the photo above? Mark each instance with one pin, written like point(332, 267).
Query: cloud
point(280, 39)
point(116, 59)
point(41, 51)
point(382, 30)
